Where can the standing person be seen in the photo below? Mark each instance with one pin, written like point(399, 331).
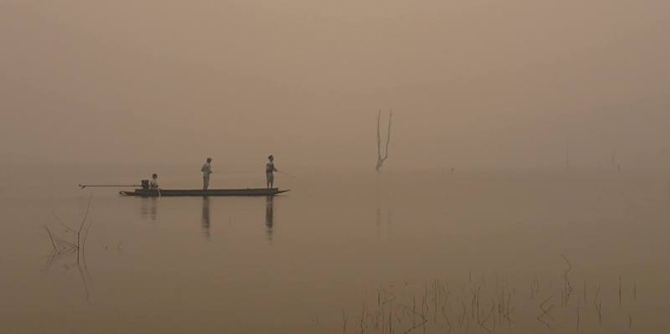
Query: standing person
point(206, 171)
point(269, 171)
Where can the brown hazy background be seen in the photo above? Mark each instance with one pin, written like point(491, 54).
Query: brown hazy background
point(473, 83)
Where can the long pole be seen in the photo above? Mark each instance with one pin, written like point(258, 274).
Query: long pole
point(289, 175)
point(82, 186)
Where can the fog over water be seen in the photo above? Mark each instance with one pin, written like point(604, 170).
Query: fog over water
point(526, 189)
point(333, 248)
point(473, 84)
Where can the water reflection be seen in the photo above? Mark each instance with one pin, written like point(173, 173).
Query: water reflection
point(269, 216)
point(380, 204)
point(205, 218)
point(149, 207)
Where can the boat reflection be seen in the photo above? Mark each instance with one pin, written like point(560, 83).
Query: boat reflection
point(205, 221)
point(269, 217)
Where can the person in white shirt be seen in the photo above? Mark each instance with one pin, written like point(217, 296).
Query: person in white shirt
point(154, 181)
point(269, 171)
point(206, 171)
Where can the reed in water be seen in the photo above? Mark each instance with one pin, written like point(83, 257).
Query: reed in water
point(480, 306)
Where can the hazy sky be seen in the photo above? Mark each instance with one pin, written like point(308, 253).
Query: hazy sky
point(473, 83)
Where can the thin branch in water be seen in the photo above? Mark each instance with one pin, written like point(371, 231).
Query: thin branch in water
point(67, 228)
point(83, 222)
point(382, 158)
point(619, 291)
point(61, 246)
point(83, 279)
point(344, 322)
point(53, 243)
point(567, 286)
point(545, 312)
point(363, 319)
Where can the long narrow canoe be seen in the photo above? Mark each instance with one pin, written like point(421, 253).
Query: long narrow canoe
point(199, 192)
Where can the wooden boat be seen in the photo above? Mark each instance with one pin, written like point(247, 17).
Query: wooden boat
point(199, 192)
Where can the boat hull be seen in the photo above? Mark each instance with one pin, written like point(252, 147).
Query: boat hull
point(202, 193)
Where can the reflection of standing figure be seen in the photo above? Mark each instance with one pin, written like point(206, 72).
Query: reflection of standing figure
point(205, 217)
point(154, 208)
point(149, 208)
point(269, 216)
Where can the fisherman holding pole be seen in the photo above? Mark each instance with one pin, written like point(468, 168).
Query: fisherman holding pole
point(269, 171)
point(154, 184)
point(206, 171)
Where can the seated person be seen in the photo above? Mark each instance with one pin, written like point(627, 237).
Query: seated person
point(154, 181)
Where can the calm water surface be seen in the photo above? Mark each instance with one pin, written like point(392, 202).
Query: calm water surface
point(434, 251)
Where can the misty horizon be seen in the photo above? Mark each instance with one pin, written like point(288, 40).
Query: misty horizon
point(473, 84)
